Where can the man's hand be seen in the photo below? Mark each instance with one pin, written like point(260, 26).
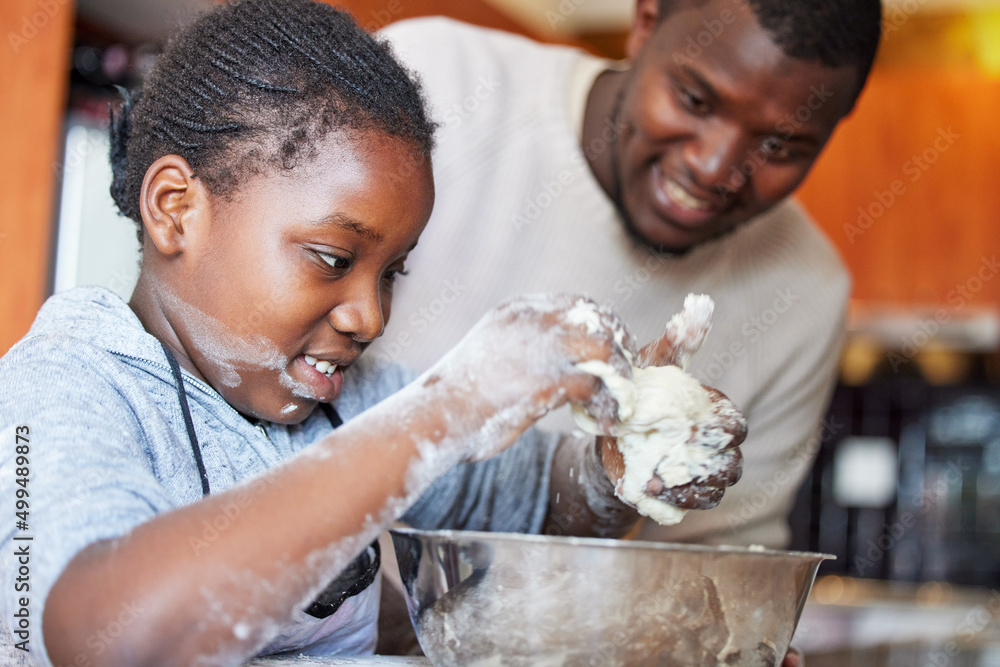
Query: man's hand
point(682, 337)
point(793, 658)
point(699, 494)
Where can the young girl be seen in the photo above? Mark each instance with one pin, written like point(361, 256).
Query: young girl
point(185, 500)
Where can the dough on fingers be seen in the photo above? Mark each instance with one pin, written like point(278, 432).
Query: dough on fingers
point(671, 430)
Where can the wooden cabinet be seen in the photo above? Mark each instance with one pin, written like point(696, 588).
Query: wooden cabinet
point(907, 189)
point(34, 67)
point(376, 14)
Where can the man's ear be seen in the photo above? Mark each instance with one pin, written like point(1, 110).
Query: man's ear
point(647, 18)
point(172, 202)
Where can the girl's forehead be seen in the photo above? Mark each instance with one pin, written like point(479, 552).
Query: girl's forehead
point(365, 179)
point(342, 160)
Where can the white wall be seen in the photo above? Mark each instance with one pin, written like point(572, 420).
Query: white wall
point(94, 246)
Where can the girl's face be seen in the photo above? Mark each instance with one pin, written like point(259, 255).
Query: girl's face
point(294, 276)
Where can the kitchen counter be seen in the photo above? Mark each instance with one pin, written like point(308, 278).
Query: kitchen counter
point(374, 660)
point(855, 622)
point(865, 623)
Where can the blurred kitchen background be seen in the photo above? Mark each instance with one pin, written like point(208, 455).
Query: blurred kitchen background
point(906, 487)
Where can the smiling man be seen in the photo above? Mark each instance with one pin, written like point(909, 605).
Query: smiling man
point(642, 181)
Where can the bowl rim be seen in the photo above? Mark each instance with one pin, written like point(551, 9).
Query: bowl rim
point(605, 543)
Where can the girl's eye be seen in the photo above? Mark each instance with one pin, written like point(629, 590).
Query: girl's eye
point(390, 276)
point(335, 261)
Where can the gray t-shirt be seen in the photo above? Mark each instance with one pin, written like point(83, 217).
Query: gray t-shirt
point(106, 449)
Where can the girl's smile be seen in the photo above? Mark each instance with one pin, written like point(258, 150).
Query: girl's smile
point(325, 377)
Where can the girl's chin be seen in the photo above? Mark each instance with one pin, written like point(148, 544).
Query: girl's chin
point(284, 410)
point(298, 395)
point(295, 412)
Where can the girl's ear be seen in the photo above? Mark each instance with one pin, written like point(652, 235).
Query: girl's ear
point(173, 204)
point(647, 18)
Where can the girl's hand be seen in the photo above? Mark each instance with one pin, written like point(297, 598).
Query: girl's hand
point(518, 363)
point(674, 347)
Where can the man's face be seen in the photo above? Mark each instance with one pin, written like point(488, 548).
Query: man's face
point(718, 124)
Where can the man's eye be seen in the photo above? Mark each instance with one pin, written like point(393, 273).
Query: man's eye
point(771, 145)
point(336, 262)
point(775, 148)
point(693, 101)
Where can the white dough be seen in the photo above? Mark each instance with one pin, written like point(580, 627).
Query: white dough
point(667, 424)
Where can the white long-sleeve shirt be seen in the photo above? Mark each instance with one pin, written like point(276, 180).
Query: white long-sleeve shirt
point(518, 210)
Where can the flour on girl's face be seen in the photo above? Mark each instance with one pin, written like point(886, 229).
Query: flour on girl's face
point(232, 352)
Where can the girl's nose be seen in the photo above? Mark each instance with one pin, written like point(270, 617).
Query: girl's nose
point(359, 315)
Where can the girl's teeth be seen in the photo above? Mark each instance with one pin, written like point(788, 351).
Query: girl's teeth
point(323, 366)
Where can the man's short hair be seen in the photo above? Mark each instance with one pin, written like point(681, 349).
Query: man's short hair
point(832, 32)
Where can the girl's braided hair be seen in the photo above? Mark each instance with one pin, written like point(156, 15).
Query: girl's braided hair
point(253, 86)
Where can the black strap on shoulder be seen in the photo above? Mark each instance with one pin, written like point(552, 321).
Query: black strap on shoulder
point(358, 576)
point(331, 414)
point(192, 436)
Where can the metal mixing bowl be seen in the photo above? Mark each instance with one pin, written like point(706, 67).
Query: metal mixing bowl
point(529, 600)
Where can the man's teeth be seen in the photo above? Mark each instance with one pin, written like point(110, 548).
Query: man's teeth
point(322, 365)
point(682, 197)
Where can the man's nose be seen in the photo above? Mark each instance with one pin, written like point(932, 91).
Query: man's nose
point(713, 158)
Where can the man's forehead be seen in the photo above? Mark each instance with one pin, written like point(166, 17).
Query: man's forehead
point(667, 7)
point(729, 35)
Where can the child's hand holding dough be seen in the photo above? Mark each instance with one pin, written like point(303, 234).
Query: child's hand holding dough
point(527, 357)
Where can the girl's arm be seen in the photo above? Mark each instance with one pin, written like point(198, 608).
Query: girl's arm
point(310, 516)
